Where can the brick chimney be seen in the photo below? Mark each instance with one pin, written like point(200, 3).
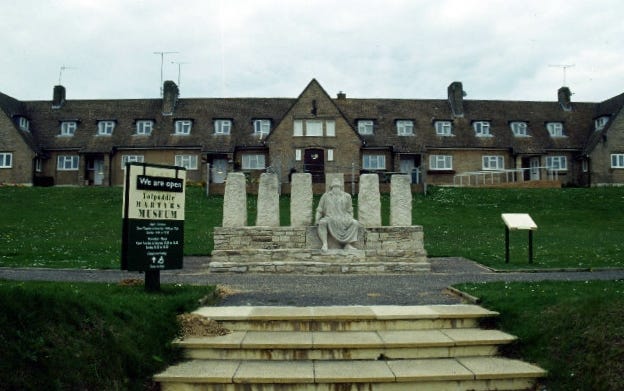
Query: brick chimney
point(58, 97)
point(456, 98)
point(170, 97)
point(564, 97)
point(342, 96)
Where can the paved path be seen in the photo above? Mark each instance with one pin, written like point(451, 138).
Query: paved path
point(318, 290)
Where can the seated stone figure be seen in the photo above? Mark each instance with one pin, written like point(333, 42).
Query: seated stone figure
point(335, 215)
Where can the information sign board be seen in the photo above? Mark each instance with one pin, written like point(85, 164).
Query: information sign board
point(153, 217)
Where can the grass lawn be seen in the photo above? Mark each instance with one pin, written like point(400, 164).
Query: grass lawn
point(85, 336)
point(80, 227)
point(575, 330)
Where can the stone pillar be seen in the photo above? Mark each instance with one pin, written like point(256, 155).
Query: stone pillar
point(400, 201)
point(268, 201)
point(301, 200)
point(329, 177)
point(369, 201)
point(235, 201)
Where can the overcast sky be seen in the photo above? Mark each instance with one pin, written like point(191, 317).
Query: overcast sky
point(272, 48)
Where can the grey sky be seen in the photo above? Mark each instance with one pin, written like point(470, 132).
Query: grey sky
point(273, 48)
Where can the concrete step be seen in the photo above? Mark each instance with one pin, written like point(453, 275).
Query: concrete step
point(471, 373)
point(347, 318)
point(345, 345)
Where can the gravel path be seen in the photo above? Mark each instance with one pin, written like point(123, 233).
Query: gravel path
point(330, 289)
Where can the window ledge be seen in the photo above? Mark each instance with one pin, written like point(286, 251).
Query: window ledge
point(440, 171)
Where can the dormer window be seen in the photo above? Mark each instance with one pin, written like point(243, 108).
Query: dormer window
point(405, 127)
point(183, 126)
point(555, 129)
point(482, 128)
point(601, 122)
point(261, 127)
point(144, 127)
point(519, 128)
point(24, 124)
point(105, 128)
point(365, 126)
point(223, 126)
point(68, 128)
point(443, 128)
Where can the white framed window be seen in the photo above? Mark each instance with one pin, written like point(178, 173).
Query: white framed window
point(584, 165)
point(493, 163)
point(405, 127)
point(68, 128)
point(183, 127)
point(144, 127)
point(441, 162)
point(223, 126)
point(443, 128)
point(131, 159)
point(365, 126)
point(187, 161)
point(519, 128)
point(330, 128)
point(555, 129)
point(314, 128)
point(601, 122)
point(557, 163)
point(330, 155)
point(67, 162)
point(38, 165)
point(24, 123)
point(6, 159)
point(251, 161)
point(297, 128)
point(262, 126)
point(482, 128)
point(617, 160)
point(105, 128)
point(298, 154)
point(373, 162)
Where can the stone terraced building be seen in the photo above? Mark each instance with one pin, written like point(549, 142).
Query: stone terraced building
point(453, 141)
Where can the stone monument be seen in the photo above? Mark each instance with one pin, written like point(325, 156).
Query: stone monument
point(334, 216)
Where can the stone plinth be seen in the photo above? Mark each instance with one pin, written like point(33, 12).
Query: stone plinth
point(400, 201)
point(301, 200)
point(296, 250)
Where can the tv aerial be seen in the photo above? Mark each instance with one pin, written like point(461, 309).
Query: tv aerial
point(564, 67)
point(63, 68)
point(162, 63)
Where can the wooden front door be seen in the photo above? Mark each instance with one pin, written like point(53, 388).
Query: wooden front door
point(314, 163)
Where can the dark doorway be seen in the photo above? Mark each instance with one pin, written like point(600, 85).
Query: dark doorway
point(314, 163)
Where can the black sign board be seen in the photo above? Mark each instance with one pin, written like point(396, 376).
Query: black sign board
point(153, 217)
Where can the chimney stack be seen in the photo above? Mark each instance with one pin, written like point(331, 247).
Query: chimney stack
point(564, 96)
point(170, 97)
point(342, 96)
point(58, 97)
point(456, 98)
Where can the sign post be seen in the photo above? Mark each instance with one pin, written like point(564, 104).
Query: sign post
point(518, 221)
point(153, 220)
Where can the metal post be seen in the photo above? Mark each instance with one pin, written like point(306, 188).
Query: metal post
point(506, 244)
point(152, 280)
point(530, 246)
point(207, 179)
point(352, 178)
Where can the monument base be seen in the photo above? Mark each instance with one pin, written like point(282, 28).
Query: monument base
point(297, 250)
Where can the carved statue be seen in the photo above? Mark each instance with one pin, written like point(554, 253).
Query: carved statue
point(335, 215)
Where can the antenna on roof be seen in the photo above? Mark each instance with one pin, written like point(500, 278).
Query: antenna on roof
point(564, 67)
point(63, 67)
point(179, 70)
point(162, 63)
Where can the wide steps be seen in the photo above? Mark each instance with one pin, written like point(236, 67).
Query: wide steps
point(347, 318)
point(346, 345)
point(414, 348)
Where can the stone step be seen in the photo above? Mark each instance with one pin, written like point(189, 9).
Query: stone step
point(347, 318)
point(341, 266)
point(345, 345)
point(469, 373)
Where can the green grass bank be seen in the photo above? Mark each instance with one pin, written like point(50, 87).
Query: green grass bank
point(80, 336)
point(80, 227)
point(575, 330)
